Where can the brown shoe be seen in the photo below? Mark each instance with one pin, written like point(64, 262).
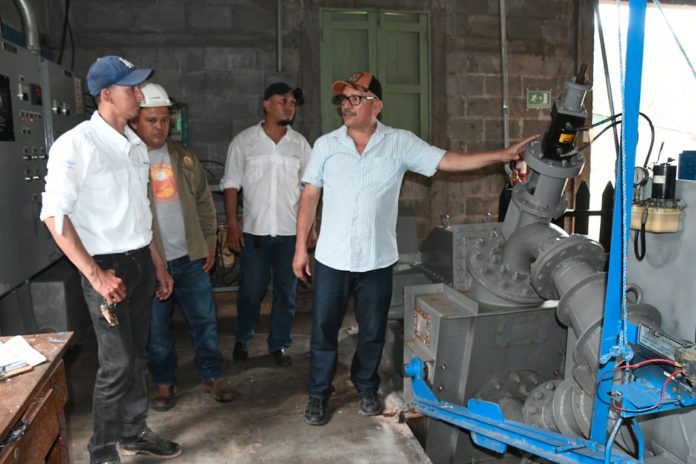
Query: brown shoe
point(220, 390)
point(164, 398)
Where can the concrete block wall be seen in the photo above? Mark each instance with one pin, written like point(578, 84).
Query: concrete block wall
point(218, 55)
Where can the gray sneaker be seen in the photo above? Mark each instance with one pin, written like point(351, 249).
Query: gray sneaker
point(146, 442)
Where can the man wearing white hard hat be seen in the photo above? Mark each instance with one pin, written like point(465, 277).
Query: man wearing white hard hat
point(185, 229)
point(95, 205)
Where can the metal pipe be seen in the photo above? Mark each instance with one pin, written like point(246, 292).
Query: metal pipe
point(279, 37)
point(29, 25)
point(504, 63)
point(610, 441)
point(523, 247)
point(639, 438)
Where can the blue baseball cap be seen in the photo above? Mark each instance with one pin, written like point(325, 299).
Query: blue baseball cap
point(114, 70)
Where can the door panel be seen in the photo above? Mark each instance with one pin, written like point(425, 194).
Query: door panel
point(392, 45)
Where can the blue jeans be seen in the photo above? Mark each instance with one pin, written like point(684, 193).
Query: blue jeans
point(119, 405)
point(193, 294)
point(260, 256)
point(372, 291)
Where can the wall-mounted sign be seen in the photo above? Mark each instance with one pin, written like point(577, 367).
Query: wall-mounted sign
point(538, 99)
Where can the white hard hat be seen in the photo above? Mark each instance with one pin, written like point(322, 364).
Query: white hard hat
point(155, 95)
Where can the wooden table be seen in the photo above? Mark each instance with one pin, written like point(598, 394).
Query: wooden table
point(33, 402)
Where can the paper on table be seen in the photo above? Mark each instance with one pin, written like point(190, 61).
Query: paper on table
point(17, 349)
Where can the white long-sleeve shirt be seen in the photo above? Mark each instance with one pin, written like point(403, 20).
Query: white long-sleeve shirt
point(99, 179)
point(269, 176)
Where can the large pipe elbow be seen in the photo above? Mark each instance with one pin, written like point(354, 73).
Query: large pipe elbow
point(524, 246)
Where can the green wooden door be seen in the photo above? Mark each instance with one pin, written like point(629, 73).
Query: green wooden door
point(395, 47)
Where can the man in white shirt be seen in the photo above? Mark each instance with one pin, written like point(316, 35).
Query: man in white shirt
point(96, 208)
point(266, 161)
point(357, 170)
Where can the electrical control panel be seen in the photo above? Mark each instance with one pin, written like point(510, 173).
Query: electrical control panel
point(28, 88)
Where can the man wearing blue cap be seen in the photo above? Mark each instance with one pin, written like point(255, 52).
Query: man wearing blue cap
point(95, 206)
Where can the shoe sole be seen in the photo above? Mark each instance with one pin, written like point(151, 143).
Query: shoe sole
point(367, 413)
point(127, 452)
point(162, 408)
point(216, 398)
point(324, 422)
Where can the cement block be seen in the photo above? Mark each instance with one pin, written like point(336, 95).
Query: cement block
point(483, 107)
point(484, 63)
point(210, 18)
point(524, 28)
point(547, 9)
point(230, 59)
point(493, 129)
point(156, 18)
point(483, 26)
point(181, 60)
point(255, 18)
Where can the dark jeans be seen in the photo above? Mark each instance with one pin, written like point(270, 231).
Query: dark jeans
point(193, 294)
point(119, 406)
point(260, 256)
point(372, 292)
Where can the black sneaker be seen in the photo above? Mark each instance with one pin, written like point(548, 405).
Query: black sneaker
point(315, 414)
point(146, 442)
point(282, 358)
point(240, 351)
point(370, 404)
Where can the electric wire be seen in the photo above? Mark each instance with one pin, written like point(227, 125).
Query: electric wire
point(676, 39)
point(615, 121)
point(660, 402)
point(64, 33)
point(605, 63)
point(607, 399)
point(620, 42)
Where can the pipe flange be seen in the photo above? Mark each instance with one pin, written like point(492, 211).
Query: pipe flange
point(563, 409)
point(538, 408)
point(516, 384)
point(583, 407)
point(552, 256)
point(485, 264)
point(566, 168)
point(524, 202)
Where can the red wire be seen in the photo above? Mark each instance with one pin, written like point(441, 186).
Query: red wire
point(662, 393)
point(648, 361)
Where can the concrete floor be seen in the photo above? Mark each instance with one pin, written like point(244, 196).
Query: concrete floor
point(265, 423)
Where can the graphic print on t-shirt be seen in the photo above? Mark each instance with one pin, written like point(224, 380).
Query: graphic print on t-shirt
point(163, 184)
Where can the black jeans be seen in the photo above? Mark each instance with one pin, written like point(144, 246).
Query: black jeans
point(372, 291)
point(120, 402)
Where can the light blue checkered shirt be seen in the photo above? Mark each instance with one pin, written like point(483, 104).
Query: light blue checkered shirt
point(361, 194)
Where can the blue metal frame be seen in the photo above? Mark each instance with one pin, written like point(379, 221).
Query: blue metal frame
point(642, 395)
point(622, 206)
point(490, 430)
